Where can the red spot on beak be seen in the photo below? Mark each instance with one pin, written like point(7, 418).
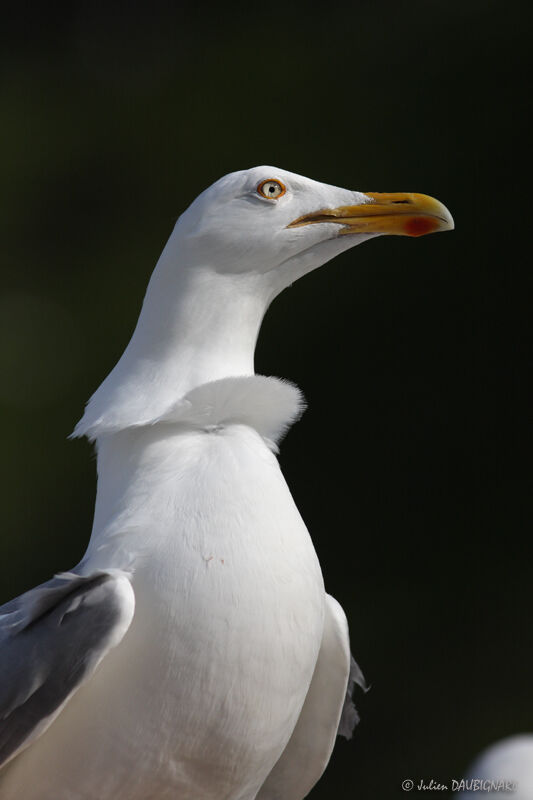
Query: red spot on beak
point(419, 226)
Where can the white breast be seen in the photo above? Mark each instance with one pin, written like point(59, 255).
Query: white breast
point(207, 685)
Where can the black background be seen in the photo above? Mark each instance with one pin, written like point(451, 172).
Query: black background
point(412, 466)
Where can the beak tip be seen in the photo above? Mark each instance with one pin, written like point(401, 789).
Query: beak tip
point(447, 223)
point(440, 221)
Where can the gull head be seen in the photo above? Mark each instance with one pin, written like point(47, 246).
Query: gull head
point(268, 221)
point(236, 247)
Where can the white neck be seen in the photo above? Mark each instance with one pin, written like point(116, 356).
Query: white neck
point(196, 326)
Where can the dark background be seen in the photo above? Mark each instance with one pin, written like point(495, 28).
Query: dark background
point(412, 466)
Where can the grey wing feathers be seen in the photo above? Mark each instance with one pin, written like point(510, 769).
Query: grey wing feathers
point(349, 716)
point(51, 639)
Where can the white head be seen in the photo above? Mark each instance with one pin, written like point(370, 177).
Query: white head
point(266, 220)
point(239, 244)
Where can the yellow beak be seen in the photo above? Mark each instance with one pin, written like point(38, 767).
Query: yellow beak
point(400, 213)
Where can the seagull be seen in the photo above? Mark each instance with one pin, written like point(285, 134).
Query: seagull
point(505, 769)
point(193, 653)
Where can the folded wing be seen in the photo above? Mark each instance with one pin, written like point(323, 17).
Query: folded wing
point(52, 638)
point(328, 710)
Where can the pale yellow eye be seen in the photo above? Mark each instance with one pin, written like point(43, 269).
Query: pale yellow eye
point(271, 189)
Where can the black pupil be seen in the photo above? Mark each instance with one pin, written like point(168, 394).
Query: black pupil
point(271, 189)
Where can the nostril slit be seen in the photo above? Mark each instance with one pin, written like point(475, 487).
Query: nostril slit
point(397, 202)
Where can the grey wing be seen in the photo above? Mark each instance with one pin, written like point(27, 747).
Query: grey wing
point(52, 638)
point(328, 710)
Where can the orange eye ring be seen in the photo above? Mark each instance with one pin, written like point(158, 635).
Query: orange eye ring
point(272, 189)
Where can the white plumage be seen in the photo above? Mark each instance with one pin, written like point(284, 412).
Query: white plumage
point(224, 673)
point(505, 769)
